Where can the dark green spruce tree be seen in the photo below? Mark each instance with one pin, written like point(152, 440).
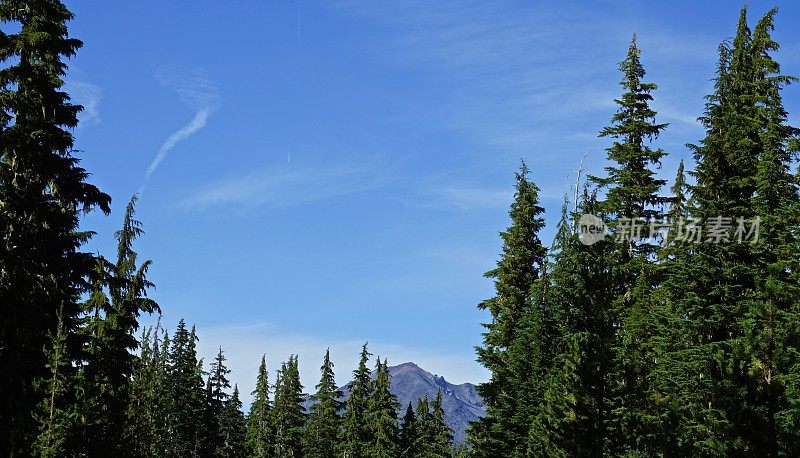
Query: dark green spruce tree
point(355, 433)
point(510, 352)
point(232, 428)
point(711, 377)
point(146, 410)
point(631, 204)
point(422, 433)
point(732, 378)
point(408, 434)
point(324, 422)
point(772, 324)
point(289, 413)
point(382, 417)
point(56, 414)
point(571, 419)
point(217, 396)
point(44, 192)
point(441, 443)
point(184, 395)
point(118, 298)
point(260, 433)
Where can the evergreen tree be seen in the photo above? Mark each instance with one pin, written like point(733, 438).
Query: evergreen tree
point(128, 292)
point(92, 381)
point(259, 422)
point(232, 428)
point(509, 351)
point(408, 434)
point(163, 396)
point(324, 423)
point(55, 414)
point(147, 404)
point(676, 214)
point(631, 204)
point(216, 398)
point(632, 186)
point(185, 395)
point(382, 417)
point(572, 418)
point(720, 377)
point(773, 317)
point(426, 433)
point(442, 441)
point(109, 339)
point(44, 192)
point(289, 413)
point(423, 430)
point(355, 432)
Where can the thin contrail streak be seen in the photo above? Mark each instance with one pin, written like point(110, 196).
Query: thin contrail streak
point(197, 123)
point(195, 90)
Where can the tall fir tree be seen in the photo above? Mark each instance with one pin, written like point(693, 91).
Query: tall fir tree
point(772, 333)
point(185, 395)
point(324, 422)
point(260, 434)
point(44, 192)
point(408, 434)
point(571, 419)
point(508, 349)
point(382, 416)
point(232, 428)
point(425, 433)
point(422, 434)
point(119, 297)
point(441, 443)
point(355, 433)
point(56, 415)
point(217, 396)
point(631, 203)
point(146, 408)
point(725, 379)
point(741, 335)
point(289, 412)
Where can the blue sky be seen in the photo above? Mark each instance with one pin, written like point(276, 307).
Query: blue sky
point(320, 174)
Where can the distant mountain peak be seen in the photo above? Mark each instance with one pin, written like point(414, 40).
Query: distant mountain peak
point(408, 366)
point(461, 403)
point(409, 383)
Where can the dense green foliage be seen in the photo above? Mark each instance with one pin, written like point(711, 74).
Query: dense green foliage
point(324, 422)
point(43, 191)
point(424, 433)
point(355, 434)
point(672, 342)
point(259, 420)
point(645, 343)
point(510, 352)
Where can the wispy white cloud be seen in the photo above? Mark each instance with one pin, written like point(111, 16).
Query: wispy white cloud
point(89, 95)
point(520, 78)
point(508, 74)
point(465, 198)
point(245, 343)
point(199, 93)
point(293, 183)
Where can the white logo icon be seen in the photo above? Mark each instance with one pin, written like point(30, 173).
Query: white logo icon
point(591, 229)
